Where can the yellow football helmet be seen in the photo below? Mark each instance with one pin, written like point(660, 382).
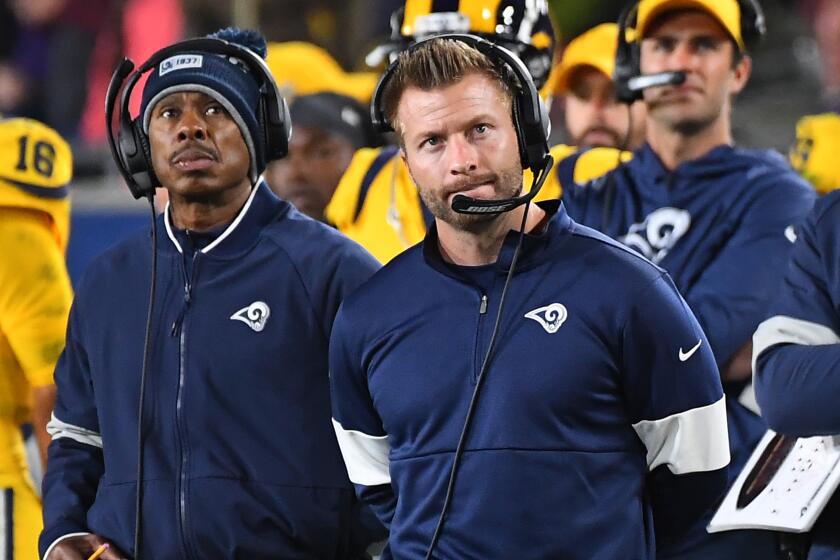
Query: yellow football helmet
point(521, 26)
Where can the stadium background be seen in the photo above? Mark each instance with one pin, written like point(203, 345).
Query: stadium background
point(56, 57)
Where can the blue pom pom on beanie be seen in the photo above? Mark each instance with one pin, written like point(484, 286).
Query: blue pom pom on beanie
point(223, 78)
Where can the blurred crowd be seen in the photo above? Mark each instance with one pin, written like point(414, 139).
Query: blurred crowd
point(56, 56)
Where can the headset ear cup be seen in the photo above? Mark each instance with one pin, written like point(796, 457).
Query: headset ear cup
point(286, 132)
point(143, 141)
point(627, 57)
point(140, 164)
point(545, 118)
point(265, 141)
point(753, 22)
point(521, 140)
point(276, 130)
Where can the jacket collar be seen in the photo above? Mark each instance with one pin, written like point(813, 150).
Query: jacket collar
point(649, 165)
point(535, 247)
point(261, 208)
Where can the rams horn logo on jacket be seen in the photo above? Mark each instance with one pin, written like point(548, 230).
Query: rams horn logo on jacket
point(255, 315)
point(551, 317)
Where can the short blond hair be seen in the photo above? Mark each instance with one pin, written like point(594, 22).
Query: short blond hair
point(439, 63)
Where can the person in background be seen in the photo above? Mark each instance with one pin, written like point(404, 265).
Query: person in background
point(36, 165)
point(328, 129)
point(719, 218)
point(593, 115)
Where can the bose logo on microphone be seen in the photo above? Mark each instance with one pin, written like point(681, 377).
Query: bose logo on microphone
point(486, 209)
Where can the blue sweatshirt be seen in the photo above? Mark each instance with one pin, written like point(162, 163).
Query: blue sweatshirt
point(240, 457)
point(721, 225)
point(600, 427)
point(797, 351)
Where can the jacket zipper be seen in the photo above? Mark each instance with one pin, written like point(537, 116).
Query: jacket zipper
point(482, 311)
point(188, 284)
point(179, 331)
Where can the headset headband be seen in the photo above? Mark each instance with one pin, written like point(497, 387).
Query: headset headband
point(530, 117)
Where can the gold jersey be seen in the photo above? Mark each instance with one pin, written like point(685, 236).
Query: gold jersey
point(35, 296)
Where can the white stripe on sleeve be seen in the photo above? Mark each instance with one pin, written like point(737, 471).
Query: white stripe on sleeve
point(58, 429)
point(782, 329)
point(58, 540)
point(365, 456)
point(694, 440)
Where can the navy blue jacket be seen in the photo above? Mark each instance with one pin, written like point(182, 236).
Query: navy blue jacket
point(722, 226)
point(240, 457)
point(600, 427)
point(797, 351)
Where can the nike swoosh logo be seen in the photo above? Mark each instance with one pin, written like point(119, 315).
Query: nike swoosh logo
point(686, 355)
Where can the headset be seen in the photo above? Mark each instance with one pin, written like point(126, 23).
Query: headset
point(530, 119)
point(628, 78)
point(131, 150)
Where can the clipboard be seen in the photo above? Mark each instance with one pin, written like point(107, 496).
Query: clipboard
point(798, 489)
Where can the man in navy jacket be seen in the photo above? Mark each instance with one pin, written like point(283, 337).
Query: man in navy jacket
point(600, 425)
point(718, 218)
point(797, 351)
point(240, 459)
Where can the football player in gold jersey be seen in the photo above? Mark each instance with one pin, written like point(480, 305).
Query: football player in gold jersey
point(35, 295)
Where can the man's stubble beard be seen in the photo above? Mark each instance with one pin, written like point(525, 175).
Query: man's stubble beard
point(509, 184)
point(617, 137)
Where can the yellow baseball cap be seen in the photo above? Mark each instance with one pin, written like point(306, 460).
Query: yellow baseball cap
point(726, 12)
point(301, 68)
point(596, 48)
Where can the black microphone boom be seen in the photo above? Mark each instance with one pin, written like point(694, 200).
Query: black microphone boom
point(661, 79)
point(467, 205)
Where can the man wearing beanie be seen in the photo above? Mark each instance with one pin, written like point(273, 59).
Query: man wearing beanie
point(329, 128)
point(239, 455)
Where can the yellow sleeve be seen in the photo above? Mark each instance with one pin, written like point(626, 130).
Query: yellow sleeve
point(814, 155)
point(552, 189)
point(35, 292)
point(597, 162)
point(341, 211)
point(390, 219)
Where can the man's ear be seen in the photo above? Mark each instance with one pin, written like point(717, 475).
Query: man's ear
point(742, 72)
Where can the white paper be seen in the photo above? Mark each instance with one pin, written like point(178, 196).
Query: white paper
point(795, 496)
